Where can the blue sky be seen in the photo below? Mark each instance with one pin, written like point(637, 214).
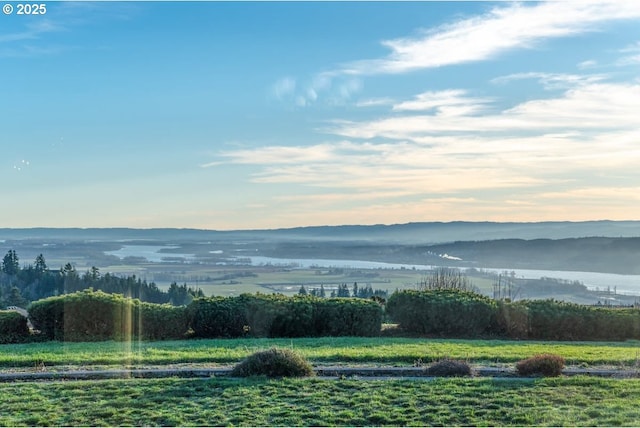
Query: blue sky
point(265, 115)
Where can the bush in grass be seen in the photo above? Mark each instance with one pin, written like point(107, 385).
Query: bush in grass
point(274, 362)
point(13, 327)
point(449, 368)
point(541, 365)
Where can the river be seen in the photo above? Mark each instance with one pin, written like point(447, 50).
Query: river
point(623, 284)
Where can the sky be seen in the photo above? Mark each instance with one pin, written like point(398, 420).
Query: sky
point(254, 115)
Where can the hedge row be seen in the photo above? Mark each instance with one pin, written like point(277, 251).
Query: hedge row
point(13, 327)
point(442, 312)
point(280, 316)
point(94, 315)
point(553, 320)
point(449, 313)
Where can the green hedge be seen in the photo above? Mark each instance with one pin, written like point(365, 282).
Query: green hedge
point(13, 327)
point(443, 312)
point(451, 313)
point(280, 316)
point(554, 320)
point(94, 315)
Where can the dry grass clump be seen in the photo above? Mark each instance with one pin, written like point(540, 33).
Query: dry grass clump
point(541, 365)
point(274, 362)
point(449, 368)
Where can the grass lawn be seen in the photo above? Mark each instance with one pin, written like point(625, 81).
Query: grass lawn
point(577, 401)
point(322, 351)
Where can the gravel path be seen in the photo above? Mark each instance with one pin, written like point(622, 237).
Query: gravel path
point(338, 372)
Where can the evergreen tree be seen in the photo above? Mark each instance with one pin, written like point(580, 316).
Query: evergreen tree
point(15, 298)
point(10, 264)
point(40, 264)
point(302, 291)
point(343, 290)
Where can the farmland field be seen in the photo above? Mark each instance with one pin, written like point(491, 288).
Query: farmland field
point(578, 401)
point(230, 281)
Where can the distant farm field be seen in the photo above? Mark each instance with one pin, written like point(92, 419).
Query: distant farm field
point(232, 281)
point(320, 351)
point(578, 401)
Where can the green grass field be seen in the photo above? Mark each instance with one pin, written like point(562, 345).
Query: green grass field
point(314, 402)
point(583, 401)
point(326, 350)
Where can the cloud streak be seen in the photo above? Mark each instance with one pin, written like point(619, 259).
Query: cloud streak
point(502, 29)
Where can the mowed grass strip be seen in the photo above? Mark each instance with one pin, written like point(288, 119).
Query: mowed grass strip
point(579, 401)
point(326, 350)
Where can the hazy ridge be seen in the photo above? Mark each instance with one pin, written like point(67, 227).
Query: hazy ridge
point(425, 232)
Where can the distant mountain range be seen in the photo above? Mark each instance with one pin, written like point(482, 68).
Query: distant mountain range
point(410, 233)
point(600, 246)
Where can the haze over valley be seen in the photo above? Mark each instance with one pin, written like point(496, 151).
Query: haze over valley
point(600, 255)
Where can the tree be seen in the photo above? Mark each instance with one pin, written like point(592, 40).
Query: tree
point(302, 291)
point(94, 273)
point(10, 264)
point(40, 264)
point(446, 279)
point(15, 298)
point(343, 291)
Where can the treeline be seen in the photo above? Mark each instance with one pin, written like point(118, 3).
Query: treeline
point(94, 315)
point(365, 292)
point(21, 285)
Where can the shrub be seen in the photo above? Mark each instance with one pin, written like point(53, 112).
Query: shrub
point(162, 322)
point(449, 368)
point(442, 312)
point(554, 320)
point(347, 317)
point(94, 315)
point(13, 327)
point(543, 364)
point(512, 320)
point(263, 315)
point(274, 362)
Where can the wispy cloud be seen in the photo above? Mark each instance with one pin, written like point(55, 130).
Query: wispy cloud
point(375, 102)
point(328, 88)
point(280, 155)
point(551, 80)
point(550, 143)
point(32, 31)
point(35, 38)
point(500, 30)
point(587, 106)
point(284, 88)
point(425, 155)
point(449, 102)
point(631, 55)
point(584, 65)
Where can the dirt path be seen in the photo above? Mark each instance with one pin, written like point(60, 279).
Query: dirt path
point(321, 371)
